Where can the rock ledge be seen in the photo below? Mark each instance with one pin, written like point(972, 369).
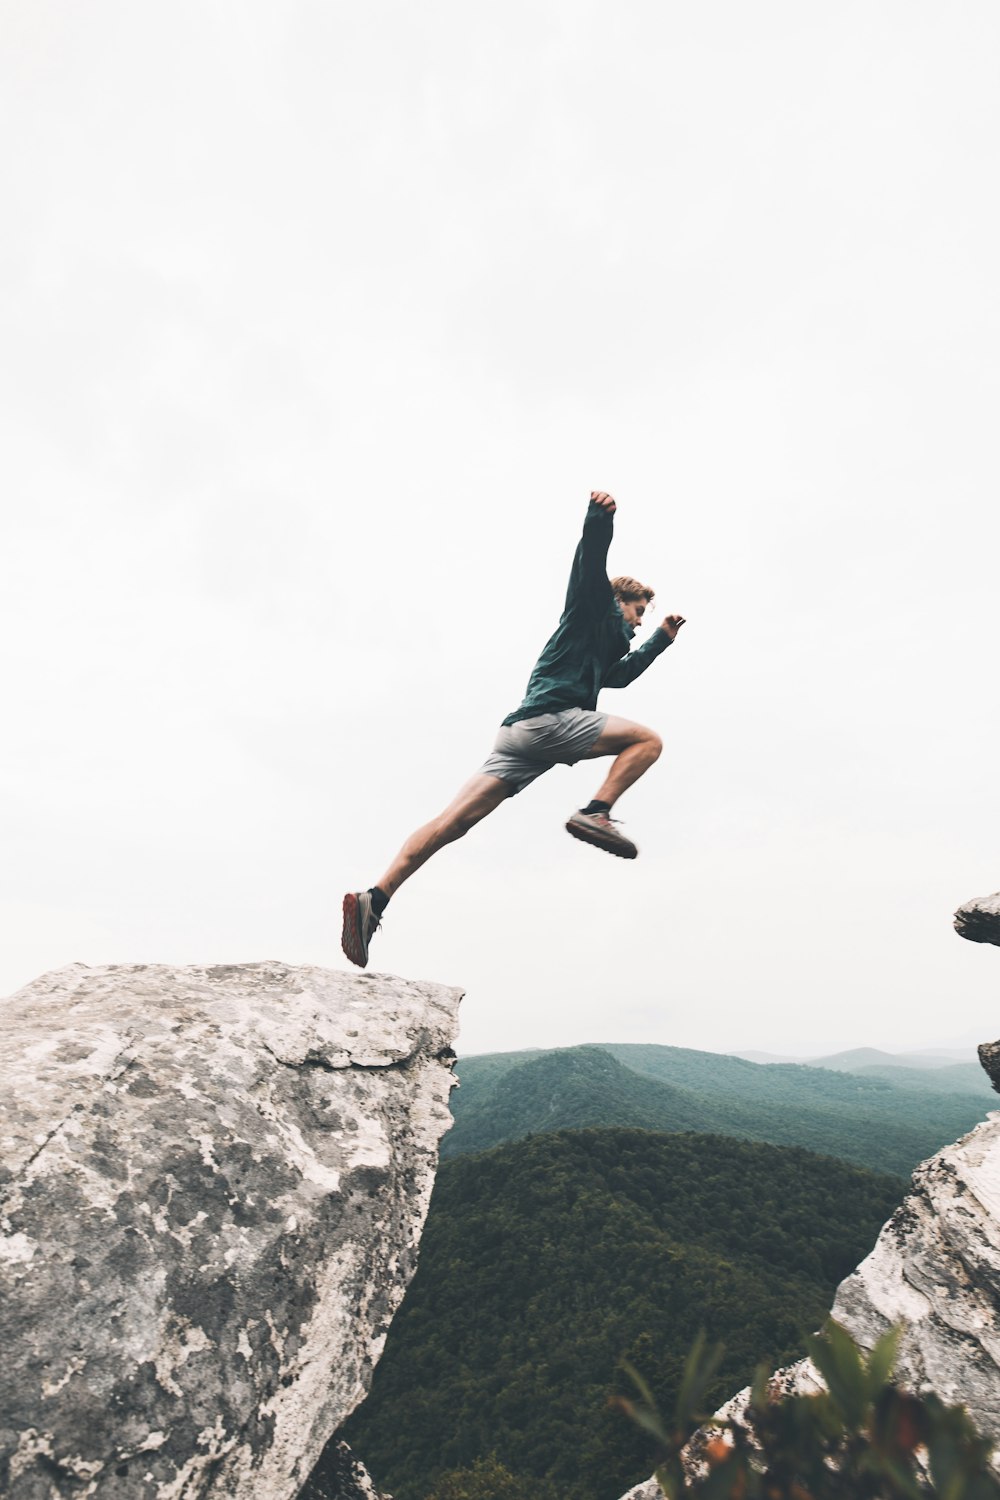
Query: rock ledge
point(212, 1188)
point(979, 919)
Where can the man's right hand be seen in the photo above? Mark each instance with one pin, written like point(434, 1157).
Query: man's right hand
point(606, 502)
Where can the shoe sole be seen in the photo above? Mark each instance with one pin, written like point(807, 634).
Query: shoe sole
point(629, 851)
point(350, 939)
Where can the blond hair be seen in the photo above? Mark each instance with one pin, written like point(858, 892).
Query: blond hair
point(630, 589)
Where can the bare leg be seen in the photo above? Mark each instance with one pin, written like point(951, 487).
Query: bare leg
point(635, 749)
point(478, 797)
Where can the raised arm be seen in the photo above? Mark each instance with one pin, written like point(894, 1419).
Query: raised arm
point(635, 663)
point(588, 579)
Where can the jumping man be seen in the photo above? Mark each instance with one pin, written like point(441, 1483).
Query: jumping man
point(557, 724)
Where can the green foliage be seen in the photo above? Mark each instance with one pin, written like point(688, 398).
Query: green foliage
point(544, 1262)
point(871, 1120)
point(862, 1439)
point(487, 1479)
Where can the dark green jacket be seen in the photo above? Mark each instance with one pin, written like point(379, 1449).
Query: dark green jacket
point(590, 648)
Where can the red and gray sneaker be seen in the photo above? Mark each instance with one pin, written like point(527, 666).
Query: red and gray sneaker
point(601, 831)
point(360, 926)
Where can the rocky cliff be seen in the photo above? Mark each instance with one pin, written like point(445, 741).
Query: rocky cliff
point(935, 1266)
point(212, 1187)
point(979, 919)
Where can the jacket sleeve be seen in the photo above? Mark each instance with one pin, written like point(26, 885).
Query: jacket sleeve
point(589, 586)
point(635, 663)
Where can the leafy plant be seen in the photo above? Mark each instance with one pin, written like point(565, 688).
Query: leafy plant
point(863, 1438)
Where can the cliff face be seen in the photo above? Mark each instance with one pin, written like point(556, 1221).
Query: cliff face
point(936, 1265)
point(212, 1186)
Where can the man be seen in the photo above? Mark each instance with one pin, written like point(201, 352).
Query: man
point(557, 724)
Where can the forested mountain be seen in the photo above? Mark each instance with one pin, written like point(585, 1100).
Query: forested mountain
point(858, 1058)
point(880, 1122)
point(955, 1078)
point(543, 1262)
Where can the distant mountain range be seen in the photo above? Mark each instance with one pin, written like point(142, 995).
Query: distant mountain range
point(886, 1115)
point(862, 1057)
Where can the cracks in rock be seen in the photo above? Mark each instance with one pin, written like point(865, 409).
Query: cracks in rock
point(112, 1077)
point(30, 1161)
point(315, 1059)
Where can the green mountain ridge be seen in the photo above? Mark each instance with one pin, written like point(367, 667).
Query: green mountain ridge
point(854, 1057)
point(885, 1123)
point(954, 1078)
point(579, 1087)
point(866, 1057)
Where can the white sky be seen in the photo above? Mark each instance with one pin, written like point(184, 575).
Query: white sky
point(319, 322)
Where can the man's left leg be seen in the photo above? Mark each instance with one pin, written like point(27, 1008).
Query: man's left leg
point(362, 909)
point(635, 749)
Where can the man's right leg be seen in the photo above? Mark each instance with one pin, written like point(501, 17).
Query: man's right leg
point(634, 747)
point(479, 797)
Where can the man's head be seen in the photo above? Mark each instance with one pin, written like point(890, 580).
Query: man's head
point(633, 598)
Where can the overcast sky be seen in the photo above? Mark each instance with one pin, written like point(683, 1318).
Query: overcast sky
point(318, 324)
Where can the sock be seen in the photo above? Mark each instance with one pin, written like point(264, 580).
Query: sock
point(596, 807)
point(379, 900)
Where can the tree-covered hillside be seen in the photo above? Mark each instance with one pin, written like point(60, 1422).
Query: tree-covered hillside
point(545, 1261)
point(956, 1078)
point(876, 1122)
point(569, 1089)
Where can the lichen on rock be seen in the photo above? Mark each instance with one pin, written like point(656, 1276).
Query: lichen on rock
point(212, 1189)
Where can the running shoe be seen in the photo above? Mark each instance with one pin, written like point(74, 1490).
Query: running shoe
point(601, 831)
point(360, 926)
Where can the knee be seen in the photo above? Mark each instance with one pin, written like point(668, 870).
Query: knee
point(653, 744)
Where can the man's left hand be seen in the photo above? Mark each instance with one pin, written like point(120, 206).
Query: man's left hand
point(672, 624)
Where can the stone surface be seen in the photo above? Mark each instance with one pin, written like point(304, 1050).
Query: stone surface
point(935, 1267)
point(648, 1490)
point(979, 919)
point(212, 1187)
point(989, 1056)
point(344, 1478)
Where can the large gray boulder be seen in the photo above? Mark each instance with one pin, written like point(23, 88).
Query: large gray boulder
point(212, 1186)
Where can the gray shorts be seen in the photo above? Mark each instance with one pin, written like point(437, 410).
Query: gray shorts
point(527, 749)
